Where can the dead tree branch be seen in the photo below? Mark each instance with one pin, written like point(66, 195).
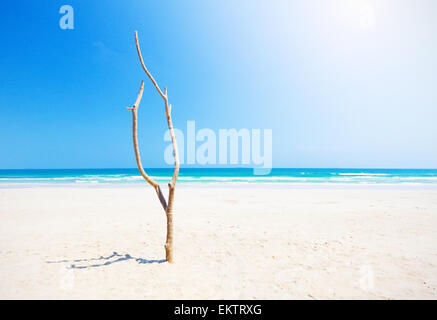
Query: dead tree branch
point(167, 205)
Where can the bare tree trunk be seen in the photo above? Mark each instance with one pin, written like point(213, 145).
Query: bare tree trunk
point(168, 208)
point(169, 213)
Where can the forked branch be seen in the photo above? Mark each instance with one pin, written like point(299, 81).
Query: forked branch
point(146, 177)
point(167, 205)
point(167, 113)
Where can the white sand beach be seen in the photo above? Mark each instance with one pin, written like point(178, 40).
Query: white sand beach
point(240, 242)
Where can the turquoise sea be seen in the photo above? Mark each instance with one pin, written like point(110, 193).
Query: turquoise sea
point(214, 175)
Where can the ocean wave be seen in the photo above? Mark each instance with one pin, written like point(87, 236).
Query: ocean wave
point(420, 178)
point(362, 174)
point(292, 177)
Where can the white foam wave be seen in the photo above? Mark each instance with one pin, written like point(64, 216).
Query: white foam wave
point(363, 174)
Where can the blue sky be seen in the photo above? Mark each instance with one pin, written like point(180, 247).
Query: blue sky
point(340, 83)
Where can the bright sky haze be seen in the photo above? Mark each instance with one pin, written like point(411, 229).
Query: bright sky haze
point(340, 83)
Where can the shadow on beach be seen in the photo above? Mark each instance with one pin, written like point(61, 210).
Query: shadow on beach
point(106, 261)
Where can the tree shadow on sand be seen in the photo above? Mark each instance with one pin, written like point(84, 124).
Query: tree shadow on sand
point(106, 261)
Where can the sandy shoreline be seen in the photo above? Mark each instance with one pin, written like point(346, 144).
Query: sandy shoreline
point(245, 242)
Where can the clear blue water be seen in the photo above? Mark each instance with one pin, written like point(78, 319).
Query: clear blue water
point(214, 175)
